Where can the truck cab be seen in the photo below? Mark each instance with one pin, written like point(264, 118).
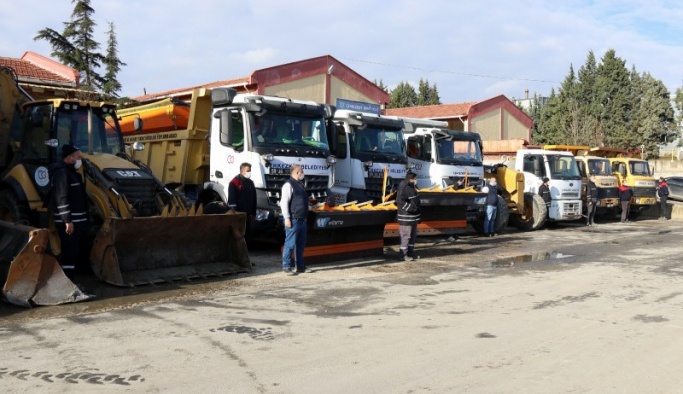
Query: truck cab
point(271, 134)
point(636, 172)
point(607, 184)
point(442, 157)
point(597, 167)
point(565, 180)
point(367, 147)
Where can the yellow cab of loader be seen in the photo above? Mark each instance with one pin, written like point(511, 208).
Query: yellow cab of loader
point(141, 232)
point(636, 172)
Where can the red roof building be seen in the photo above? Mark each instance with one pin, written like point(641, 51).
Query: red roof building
point(321, 79)
point(43, 77)
point(496, 118)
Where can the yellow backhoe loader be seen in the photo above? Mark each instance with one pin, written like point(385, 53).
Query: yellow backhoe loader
point(141, 232)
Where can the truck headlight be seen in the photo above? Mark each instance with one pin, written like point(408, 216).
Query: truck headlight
point(262, 214)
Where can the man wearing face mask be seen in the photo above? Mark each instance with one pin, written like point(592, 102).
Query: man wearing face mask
point(69, 207)
point(408, 215)
point(294, 206)
point(242, 195)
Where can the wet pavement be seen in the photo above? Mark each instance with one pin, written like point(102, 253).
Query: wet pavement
point(532, 309)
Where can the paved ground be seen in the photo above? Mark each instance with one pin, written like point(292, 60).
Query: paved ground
point(570, 309)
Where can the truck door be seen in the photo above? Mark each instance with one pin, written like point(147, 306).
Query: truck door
point(342, 170)
point(534, 165)
point(227, 146)
point(418, 159)
point(619, 169)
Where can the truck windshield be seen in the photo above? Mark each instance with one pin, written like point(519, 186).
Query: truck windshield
point(449, 150)
point(599, 167)
point(278, 129)
point(639, 168)
point(72, 127)
point(563, 167)
point(379, 140)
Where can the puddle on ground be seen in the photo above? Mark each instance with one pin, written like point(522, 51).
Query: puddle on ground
point(525, 258)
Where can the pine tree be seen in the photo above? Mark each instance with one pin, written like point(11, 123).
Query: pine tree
point(112, 65)
point(76, 47)
point(402, 96)
point(423, 92)
point(613, 87)
point(678, 101)
point(590, 105)
point(652, 116)
point(433, 96)
point(549, 130)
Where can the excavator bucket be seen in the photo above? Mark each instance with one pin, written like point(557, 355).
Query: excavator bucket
point(147, 250)
point(30, 275)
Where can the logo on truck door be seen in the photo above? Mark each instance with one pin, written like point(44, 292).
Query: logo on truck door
point(41, 176)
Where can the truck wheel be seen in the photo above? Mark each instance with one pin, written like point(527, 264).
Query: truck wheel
point(502, 218)
point(536, 213)
point(13, 210)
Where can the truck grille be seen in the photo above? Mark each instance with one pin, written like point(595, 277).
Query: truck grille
point(140, 193)
point(608, 192)
point(571, 208)
point(570, 195)
point(373, 187)
point(316, 186)
point(644, 191)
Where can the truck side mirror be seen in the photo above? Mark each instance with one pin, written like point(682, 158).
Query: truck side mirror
point(537, 167)
point(331, 135)
point(225, 127)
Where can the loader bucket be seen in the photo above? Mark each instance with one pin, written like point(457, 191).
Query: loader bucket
point(147, 250)
point(30, 275)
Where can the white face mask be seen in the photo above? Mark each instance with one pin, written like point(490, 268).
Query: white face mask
point(247, 174)
point(301, 177)
point(78, 164)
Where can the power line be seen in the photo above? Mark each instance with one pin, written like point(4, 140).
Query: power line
point(449, 72)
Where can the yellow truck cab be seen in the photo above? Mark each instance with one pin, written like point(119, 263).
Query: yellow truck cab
point(636, 172)
point(597, 167)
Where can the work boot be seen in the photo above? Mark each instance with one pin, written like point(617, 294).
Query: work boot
point(408, 258)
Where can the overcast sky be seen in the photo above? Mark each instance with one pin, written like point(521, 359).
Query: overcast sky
point(471, 50)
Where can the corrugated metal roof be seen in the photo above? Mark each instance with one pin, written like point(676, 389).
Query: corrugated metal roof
point(440, 111)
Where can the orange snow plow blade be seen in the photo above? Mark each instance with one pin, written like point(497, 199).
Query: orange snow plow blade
point(30, 275)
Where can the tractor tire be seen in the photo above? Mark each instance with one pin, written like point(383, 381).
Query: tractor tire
point(13, 210)
point(536, 213)
point(502, 218)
